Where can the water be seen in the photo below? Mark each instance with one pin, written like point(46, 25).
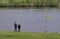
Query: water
point(31, 20)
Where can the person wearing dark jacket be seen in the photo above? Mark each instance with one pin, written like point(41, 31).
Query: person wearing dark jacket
point(15, 27)
point(19, 26)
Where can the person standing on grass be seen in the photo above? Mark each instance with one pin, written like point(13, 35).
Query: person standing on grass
point(19, 27)
point(15, 27)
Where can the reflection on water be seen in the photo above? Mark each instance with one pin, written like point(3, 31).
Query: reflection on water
point(32, 20)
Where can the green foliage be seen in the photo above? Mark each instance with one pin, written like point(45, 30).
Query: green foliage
point(35, 3)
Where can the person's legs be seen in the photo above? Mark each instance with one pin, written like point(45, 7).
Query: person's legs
point(18, 29)
point(15, 29)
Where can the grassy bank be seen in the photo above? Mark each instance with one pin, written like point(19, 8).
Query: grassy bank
point(28, 35)
point(29, 3)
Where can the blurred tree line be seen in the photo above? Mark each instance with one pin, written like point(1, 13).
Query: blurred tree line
point(30, 3)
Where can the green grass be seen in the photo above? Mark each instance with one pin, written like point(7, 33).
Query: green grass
point(28, 35)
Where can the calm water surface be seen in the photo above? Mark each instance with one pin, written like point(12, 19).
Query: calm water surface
point(31, 20)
